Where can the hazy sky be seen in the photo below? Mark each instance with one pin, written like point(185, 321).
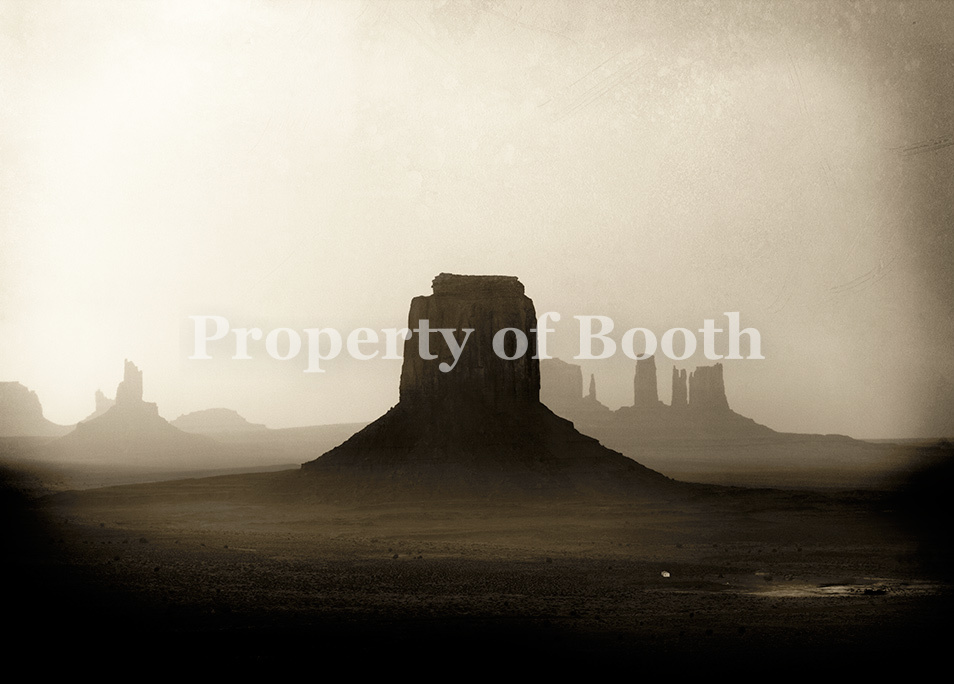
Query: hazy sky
point(312, 164)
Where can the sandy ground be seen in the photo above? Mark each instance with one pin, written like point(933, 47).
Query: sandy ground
point(250, 570)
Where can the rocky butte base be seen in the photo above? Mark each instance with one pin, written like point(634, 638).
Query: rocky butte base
point(479, 429)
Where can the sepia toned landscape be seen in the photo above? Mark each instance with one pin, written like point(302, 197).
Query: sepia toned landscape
point(472, 517)
point(477, 334)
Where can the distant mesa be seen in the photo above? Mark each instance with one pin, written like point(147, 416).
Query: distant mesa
point(129, 396)
point(214, 421)
point(707, 389)
point(698, 437)
point(680, 388)
point(103, 404)
point(21, 414)
point(130, 431)
point(480, 428)
point(129, 415)
point(699, 408)
point(129, 391)
point(561, 385)
point(645, 388)
point(129, 435)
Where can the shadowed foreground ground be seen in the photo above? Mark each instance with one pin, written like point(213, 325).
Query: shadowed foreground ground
point(252, 570)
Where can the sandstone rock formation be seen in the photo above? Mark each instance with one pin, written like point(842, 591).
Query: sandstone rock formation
point(485, 304)
point(215, 420)
point(645, 387)
point(680, 389)
point(707, 389)
point(699, 411)
point(103, 404)
point(21, 414)
point(561, 389)
point(478, 429)
point(698, 435)
point(129, 396)
point(131, 432)
point(561, 385)
point(129, 391)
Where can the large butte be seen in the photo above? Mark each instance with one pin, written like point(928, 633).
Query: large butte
point(480, 429)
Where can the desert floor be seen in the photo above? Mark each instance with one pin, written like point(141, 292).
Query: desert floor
point(252, 570)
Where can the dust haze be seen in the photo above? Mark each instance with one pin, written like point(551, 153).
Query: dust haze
point(310, 164)
point(477, 163)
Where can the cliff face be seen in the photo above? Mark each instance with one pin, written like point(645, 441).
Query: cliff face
point(21, 414)
point(478, 428)
point(103, 404)
point(561, 389)
point(680, 389)
point(129, 401)
point(129, 391)
point(485, 305)
point(645, 387)
point(707, 388)
point(561, 384)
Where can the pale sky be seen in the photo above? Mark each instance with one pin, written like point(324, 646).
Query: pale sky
point(316, 164)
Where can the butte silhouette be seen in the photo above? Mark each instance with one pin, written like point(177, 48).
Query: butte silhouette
point(478, 429)
point(131, 432)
